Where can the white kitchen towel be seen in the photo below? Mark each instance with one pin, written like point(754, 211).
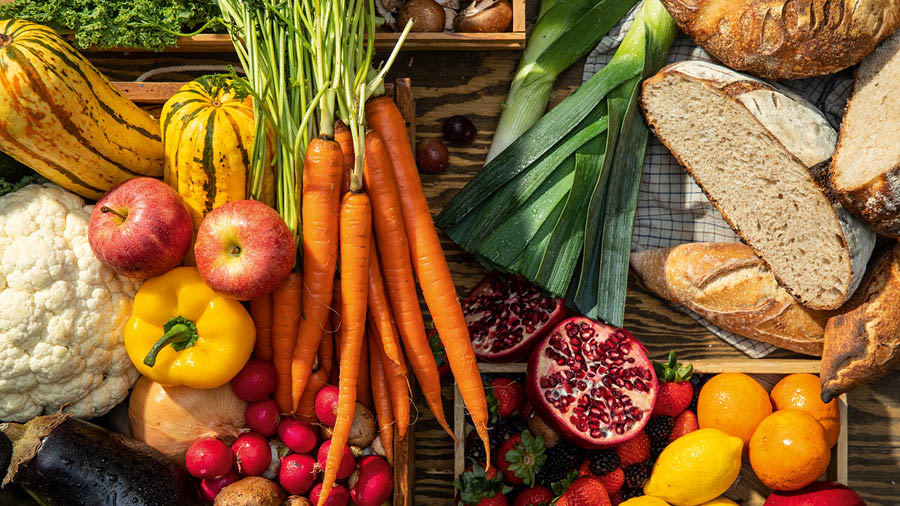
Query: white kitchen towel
point(672, 209)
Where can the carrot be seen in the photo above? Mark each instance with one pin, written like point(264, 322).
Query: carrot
point(322, 172)
point(380, 311)
point(343, 137)
point(285, 322)
point(307, 408)
point(398, 274)
point(383, 411)
point(364, 385)
point(326, 353)
point(398, 385)
point(261, 311)
point(356, 232)
point(429, 262)
point(335, 332)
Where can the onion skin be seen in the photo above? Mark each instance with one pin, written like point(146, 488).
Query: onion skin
point(171, 418)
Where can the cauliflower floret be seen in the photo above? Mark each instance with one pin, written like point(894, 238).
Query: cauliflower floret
point(62, 313)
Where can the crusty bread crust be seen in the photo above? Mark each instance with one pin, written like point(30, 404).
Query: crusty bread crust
point(782, 39)
point(730, 286)
point(863, 344)
point(808, 150)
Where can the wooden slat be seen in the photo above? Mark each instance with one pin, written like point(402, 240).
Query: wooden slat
point(518, 22)
point(159, 92)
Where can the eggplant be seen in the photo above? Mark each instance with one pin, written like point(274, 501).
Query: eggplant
point(63, 461)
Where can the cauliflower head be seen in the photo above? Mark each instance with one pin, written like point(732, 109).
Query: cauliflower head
point(62, 313)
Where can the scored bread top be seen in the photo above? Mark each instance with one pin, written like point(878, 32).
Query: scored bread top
point(750, 145)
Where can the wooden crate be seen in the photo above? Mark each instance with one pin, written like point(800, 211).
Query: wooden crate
point(747, 490)
point(441, 41)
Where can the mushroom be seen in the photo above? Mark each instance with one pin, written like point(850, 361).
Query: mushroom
point(450, 8)
point(427, 16)
point(482, 16)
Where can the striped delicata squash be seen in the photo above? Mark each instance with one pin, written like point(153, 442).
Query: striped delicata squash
point(208, 133)
point(60, 116)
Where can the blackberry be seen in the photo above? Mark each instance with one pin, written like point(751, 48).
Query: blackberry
point(626, 493)
point(697, 381)
point(636, 475)
point(657, 447)
point(506, 429)
point(475, 452)
point(561, 459)
point(603, 462)
point(660, 427)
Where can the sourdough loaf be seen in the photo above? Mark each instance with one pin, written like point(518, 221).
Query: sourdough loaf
point(787, 39)
point(863, 343)
point(749, 146)
point(729, 285)
point(865, 171)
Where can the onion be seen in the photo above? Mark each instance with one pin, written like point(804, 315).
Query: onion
point(171, 418)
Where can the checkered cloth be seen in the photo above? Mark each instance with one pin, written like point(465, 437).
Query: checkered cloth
point(672, 209)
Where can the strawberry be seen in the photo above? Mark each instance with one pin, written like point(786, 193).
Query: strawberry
point(584, 491)
point(585, 468)
point(613, 481)
point(479, 488)
point(634, 451)
point(675, 390)
point(534, 496)
point(684, 424)
point(510, 395)
point(520, 458)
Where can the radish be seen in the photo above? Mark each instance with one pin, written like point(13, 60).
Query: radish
point(348, 461)
point(208, 458)
point(252, 453)
point(262, 417)
point(297, 473)
point(297, 435)
point(326, 405)
point(210, 487)
point(338, 497)
point(255, 382)
point(373, 482)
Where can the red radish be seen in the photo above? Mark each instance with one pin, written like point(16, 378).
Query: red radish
point(208, 458)
point(373, 483)
point(592, 383)
point(210, 487)
point(252, 453)
point(262, 417)
point(348, 461)
point(297, 435)
point(507, 316)
point(256, 381)
point(338, 496)
point(297, 473)
point(326, 405)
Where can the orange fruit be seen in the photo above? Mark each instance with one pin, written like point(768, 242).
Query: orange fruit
point(788, 450)
point(804, 392)
point(734, 403)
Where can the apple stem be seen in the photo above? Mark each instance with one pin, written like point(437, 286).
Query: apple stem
point(106, 209)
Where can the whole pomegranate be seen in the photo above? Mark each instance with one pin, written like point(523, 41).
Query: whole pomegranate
point(593, 383)
point(507, 315)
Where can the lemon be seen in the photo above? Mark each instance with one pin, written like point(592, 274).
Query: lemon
point(720, 501)
point(645, 500)
point(696, 468)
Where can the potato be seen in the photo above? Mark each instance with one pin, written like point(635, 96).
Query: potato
point(252, 491)
point(362, 431)
point(296, 500)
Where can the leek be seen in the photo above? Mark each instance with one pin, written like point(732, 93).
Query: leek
point(563, 33)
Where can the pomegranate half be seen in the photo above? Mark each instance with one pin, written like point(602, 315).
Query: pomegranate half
point(507, 315)
point(593, 383)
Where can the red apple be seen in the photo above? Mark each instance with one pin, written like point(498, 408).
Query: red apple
point(140, 228)
point(243, 249)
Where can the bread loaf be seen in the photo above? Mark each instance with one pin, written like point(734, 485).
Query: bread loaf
point(787, 39)
point(863, 344)
point(750, 147)
point(730, 286)
point(865, 171)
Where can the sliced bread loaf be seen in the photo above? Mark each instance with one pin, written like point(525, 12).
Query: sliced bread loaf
point(750, 146)
point(865, 171)
point(729, 285)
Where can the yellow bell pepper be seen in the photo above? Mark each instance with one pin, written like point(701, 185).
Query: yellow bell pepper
point(181, 332)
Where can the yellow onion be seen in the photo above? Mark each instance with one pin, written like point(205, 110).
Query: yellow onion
point(171, 418)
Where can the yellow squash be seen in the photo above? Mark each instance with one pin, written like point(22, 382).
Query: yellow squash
point(60, 116)
point(208, 133)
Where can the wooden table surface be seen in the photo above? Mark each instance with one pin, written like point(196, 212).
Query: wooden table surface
point(475, 84)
